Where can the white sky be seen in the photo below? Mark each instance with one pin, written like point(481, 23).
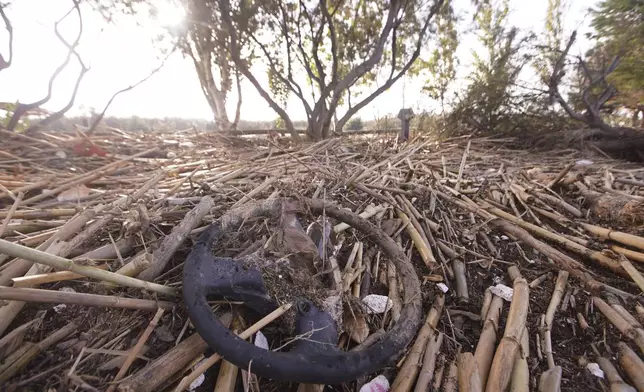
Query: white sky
point(122, 55)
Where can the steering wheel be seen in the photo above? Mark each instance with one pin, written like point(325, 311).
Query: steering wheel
point(317, 359)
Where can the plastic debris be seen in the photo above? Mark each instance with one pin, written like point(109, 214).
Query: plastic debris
point(502, 291)
point(261, 341)
point(595, 370)
point(443, 287)
point(377, 304)
point(378, 384)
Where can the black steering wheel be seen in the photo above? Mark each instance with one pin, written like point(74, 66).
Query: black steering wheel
point(315, 360)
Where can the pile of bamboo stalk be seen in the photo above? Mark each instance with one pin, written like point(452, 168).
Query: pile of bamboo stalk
point(564, 230)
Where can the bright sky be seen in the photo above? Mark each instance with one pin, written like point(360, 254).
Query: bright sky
point(122, 55)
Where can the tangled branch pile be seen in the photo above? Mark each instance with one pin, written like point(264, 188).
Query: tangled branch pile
point(474, 216)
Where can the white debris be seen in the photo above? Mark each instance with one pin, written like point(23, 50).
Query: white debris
point(443, 287)
point(61, 154)
point(261, 341)
point(505, 238)
point(378, 384)
point(187, 144)
point(584, 162)
point(67, 290)
point(502, 291)
point(595, 370)
point(199, 380)
point(377, 304)
point(59, 308)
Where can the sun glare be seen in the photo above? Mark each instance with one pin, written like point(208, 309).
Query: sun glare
point(168, 14)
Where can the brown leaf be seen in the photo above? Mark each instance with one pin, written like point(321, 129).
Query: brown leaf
point(356, 326)
point(74, 193)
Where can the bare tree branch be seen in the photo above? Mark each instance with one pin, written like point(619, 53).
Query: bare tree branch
point(393, 78)
point(592, 117)
point(100, 117)
point(243, 68)
point(72, 50)
point(21, 108)
point(6, 63)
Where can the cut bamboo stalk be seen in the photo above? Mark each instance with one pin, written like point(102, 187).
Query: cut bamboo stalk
point(259, 189)
point(520, 381)
point(409, 371)
point(131, 356)
point(461, 168)
point(637, 336)
point(8, 370)
point(421, 246)
point(618, 236)
point(37, 280)
point(138, 263)
point(227, 377)
point(40, 214)
point(21, 266)
point(461, 281)
point(64, 297)
point(631, 254)
point(555, 300)
point(550, 380)
point(213, 359)
point(561, 175)
point(451, 381)
point(469, 379)
point(109, 251)
point(632, 364)
point(632, 271)
point(487, 341)
point(13, 340)
point(176, 238)
point(11, 213)
point(394, 293)
point(151, 377)
point(503, 362)
point(603, 260)
point(366, 214)
point(616, 382)
point(487, 301)
point(36, 256)
point(429, 362)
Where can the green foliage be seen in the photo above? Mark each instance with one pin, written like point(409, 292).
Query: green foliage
point(23, 123)
point(355, 124)
point(490, 102)
point(441, 66)
point(552, 43)
point(619, 31)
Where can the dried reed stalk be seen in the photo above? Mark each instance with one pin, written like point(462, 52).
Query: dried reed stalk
point(151, 377)
point(131, 356)
point(632, 365)
point(11, 212)
point(37, 280)
point(634, 334)
point(409, 371)
point(503, 362)
point(429, 362)
point(421, 246)
point(64, 297)
point(484, 352)
point(61, 263)
point(520, 381)
point(555, 300)
point(631, 254)
point(10, 368)
point(618, 236)
point(550, 380)
point(469, 379)
point(213, 359)
point(613, 377)
point(176, 238)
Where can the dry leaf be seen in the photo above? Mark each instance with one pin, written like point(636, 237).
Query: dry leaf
point(356, 326)
point(74, 193)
